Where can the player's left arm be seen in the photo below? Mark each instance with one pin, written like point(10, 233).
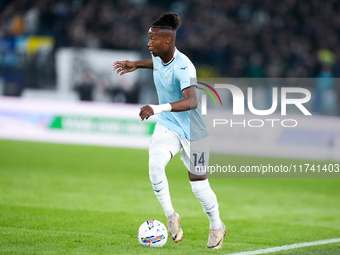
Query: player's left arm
point(188, 102)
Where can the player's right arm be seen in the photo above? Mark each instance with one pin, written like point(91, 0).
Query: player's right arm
point(122, 67)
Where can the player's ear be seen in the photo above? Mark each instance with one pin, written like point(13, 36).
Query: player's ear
point(168, 39)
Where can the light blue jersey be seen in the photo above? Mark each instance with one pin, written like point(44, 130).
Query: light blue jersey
point(170, 80)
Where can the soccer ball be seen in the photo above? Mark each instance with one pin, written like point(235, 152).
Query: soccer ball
point(152, 233)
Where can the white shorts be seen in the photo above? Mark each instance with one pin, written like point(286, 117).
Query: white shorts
point(195, 154)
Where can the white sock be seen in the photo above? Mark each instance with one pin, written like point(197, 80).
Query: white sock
point(208, 199)
point(159, 182)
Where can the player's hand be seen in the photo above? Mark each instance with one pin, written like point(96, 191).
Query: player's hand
point(146, 112)
point(122, 67)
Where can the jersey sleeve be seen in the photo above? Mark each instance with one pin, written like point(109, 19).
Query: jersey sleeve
point(186, 75)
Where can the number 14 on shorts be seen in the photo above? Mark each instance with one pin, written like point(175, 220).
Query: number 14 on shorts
point(198, 159)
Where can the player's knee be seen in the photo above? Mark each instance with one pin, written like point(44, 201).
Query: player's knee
point(157, 163)
point(154, 168)
point(199, 188)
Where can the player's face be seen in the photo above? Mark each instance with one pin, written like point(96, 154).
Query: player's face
point(157, 42)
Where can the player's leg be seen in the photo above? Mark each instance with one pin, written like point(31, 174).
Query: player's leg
point(163, 146)
point(202, 190)
point(198, 155)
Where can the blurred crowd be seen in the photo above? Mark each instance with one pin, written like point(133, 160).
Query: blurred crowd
point(238, 38)
point(235, 38)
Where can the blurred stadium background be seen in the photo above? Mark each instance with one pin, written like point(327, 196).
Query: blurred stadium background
point(54, 54)
point(57, 85)
point(223, 38)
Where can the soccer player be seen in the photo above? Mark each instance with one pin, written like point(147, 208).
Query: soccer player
point(179, 125)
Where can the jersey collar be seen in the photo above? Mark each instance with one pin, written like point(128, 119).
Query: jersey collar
point(173, 58)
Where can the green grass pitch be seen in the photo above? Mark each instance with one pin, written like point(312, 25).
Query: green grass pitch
point(69, 199)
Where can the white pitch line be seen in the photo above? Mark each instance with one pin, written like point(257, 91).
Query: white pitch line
point(287, 247)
